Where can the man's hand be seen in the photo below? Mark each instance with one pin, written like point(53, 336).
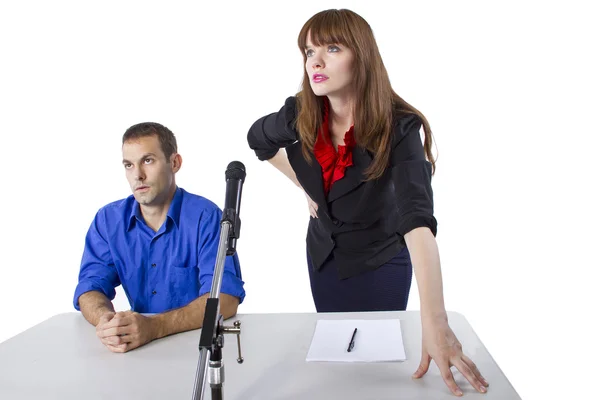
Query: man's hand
point(125, 331)
point(102, 322)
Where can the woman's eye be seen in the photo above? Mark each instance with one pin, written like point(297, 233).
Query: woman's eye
point(309, 53)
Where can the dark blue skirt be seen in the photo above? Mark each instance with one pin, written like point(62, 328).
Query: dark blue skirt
point(383, 289)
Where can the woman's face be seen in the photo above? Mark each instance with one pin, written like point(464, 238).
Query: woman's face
point(329, 68)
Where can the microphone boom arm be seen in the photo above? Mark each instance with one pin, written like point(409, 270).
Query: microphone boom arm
point(211, 336)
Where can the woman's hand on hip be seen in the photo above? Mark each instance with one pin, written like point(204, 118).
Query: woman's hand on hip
point(312, 206)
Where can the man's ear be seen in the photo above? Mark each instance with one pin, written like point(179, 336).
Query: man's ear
point(176, 161)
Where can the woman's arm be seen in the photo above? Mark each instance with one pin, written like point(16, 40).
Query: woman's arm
point(274, 131)
point(281, 162)
point(439, 341)
point(270, 134)
point(425, 258)
point(411, 174)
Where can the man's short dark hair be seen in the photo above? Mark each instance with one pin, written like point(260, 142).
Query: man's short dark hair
point(167, 140)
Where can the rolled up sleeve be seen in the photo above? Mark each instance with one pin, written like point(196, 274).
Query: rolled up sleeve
point(411, 174)
point(274, 131)
point(232, 283)
point(97, 271)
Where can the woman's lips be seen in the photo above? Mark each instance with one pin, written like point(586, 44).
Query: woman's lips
point(318, 78)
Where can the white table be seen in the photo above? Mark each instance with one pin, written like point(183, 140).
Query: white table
point(61, 358)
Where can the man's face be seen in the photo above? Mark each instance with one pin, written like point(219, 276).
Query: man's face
point(149, 173)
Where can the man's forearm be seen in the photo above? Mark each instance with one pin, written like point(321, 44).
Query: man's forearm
point(93, 305)
point(425, 259)
point(191, 316)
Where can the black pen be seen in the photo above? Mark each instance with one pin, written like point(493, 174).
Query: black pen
point(351, 344)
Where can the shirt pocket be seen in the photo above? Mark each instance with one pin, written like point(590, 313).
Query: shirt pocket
point(184, 281)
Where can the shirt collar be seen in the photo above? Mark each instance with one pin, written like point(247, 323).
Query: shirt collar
point(173, 214)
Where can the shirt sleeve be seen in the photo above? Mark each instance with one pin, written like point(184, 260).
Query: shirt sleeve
point(411, 174)
point(232, 283)
point(97, 271)
point(274, 131)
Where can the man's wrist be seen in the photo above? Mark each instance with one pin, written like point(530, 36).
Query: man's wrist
point(156, 326)
point(101, 313)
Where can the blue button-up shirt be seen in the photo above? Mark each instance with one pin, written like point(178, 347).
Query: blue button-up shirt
point(160, 270)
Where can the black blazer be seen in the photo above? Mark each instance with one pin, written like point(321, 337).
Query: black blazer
point(362, 223)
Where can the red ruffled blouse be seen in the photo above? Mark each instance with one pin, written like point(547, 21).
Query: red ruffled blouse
point(333, 164)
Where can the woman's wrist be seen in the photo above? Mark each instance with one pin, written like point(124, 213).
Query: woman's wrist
point(434, 315)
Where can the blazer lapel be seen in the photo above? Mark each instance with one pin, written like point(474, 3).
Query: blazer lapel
point(353, 175)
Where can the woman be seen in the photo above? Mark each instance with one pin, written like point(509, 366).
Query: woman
point(354, 147)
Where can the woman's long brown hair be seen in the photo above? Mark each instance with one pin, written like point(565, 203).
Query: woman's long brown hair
point(376, 103)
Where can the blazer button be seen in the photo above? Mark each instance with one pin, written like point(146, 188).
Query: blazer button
point(335, 221)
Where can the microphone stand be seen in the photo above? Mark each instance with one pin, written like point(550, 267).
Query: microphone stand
point(211, 336)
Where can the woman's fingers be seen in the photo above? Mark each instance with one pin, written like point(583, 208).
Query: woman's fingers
point(475, 370)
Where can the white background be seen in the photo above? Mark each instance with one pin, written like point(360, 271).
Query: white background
point(510, 89)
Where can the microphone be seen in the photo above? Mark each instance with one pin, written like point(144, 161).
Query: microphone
point(234, 178)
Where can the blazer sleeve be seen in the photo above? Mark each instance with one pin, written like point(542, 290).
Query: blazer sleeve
point(411, 174)
point(274, 131)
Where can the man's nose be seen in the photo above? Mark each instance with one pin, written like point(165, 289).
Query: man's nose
point(139, 174)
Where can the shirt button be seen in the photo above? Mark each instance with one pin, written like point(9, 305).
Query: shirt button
point(153, 265)
point(154, 292)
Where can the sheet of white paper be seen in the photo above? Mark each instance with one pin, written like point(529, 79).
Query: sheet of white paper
point(377, 340)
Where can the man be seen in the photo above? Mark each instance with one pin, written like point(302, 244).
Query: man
point(160, 244)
